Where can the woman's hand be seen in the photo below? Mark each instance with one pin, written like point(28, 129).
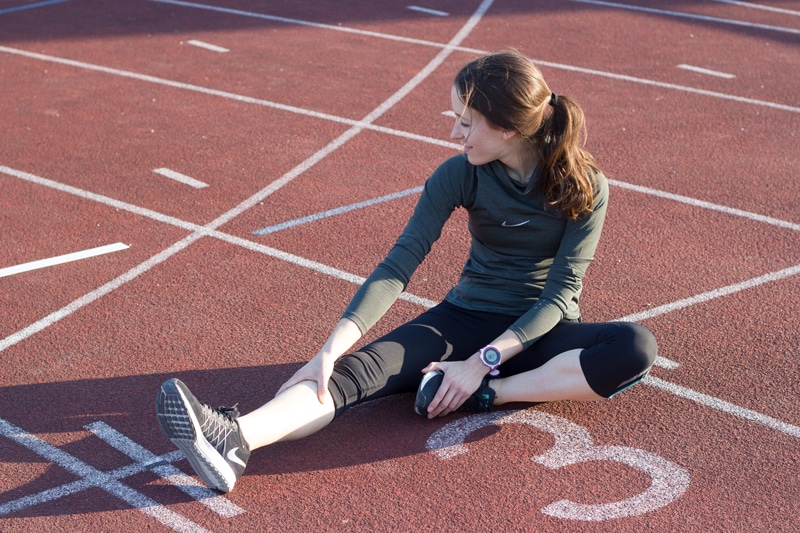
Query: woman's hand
point(461, 380)
point(320, 368)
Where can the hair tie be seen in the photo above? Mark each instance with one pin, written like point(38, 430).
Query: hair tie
point(553, 99)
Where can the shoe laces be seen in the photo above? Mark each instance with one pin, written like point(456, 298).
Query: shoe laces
point(218, 424)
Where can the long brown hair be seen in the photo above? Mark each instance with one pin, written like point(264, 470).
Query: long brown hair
point(510, 92)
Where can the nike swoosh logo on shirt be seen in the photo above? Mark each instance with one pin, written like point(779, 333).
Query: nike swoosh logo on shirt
point(505, 224)
point(232, 457)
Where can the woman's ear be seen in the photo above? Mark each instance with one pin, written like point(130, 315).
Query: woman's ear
point(507, 134)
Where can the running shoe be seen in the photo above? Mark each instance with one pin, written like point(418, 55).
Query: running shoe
point(481, 400)
point(210, 438)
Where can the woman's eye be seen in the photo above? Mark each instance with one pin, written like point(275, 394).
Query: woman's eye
point(464, 125)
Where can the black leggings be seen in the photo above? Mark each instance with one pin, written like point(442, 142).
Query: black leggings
point(615, 354)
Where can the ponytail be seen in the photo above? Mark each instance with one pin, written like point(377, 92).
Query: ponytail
point(568, 171)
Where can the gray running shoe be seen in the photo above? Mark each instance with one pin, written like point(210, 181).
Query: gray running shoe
point(210, 438)
point(481, 400)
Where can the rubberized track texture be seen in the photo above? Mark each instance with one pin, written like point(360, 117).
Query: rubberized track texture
point(196, 189)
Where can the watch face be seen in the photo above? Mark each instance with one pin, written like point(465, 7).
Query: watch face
point(491, 356)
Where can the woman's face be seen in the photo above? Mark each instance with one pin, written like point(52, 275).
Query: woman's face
point(482, 143)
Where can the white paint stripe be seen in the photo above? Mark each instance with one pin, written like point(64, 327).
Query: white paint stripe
point(760, 6)
point(725, 407)
point(81, 484)
point(701, 70)
point(182, 178)
point(690, 16)
point(540, 62)
point(187, 484)
point(713, 294)
point(337, 211)
point(207, 46)
point(226, 95)
point(61, 259)
point(30, 6)
point(706, 205)
point(99, 198)
point(99, 479)
point(427, 11)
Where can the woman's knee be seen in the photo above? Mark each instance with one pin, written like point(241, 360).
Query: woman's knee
point(639, 344)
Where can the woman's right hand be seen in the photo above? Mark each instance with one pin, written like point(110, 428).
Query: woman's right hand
point(320, 368)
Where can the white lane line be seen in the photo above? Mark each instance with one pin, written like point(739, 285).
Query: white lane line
point(723, 406)
point(61, 259)
point(540, 62)
point(427, 11)
point(30, 6)
point(101, 480)
point(338, 211)
point(760, 6)
point(712, 294)
point(68, 489)
point(707, 205)
point(187, 484)
point(709, 72)
point(679, 14)
point(207, 46)
point(182, 178)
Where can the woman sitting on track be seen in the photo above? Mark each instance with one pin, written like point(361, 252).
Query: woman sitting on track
point(509, 331)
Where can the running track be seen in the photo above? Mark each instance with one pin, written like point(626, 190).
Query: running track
point(226, 174)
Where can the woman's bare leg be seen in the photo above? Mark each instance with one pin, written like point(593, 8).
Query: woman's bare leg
point(293, 414)
point(561, 378)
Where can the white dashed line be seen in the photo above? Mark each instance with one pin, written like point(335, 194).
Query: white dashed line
point(701, 70)
point(427, 11)
point(182, 178)
point(61, 259)
point(212, 47)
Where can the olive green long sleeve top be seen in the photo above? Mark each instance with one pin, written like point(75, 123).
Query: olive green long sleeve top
point(525, 260)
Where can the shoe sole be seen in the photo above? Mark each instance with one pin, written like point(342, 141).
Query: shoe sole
point(422, 402)
point(179, 423)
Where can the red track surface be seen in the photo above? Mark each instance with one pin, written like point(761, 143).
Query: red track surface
point(98, 94)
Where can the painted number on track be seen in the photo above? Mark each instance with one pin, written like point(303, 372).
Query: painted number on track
point(573, 445)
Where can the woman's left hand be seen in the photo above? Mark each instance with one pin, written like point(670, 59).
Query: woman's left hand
point(461, 380)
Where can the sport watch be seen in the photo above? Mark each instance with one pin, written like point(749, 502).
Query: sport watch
point(490, 356)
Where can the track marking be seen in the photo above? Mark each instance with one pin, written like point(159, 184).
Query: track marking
point(182, 178)
point(541, 62)
point(709, 72)
point(713, 294)
point(706, 205)
point(95, 478)
point(337, 211)
point(722, 405)
point(31, 6)
point(61, 259)
point(759, 6)
point(187, 484)
point(679, 14)
point(207, 46)
point(427, 11)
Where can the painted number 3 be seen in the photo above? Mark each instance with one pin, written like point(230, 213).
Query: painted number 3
point(574, 445)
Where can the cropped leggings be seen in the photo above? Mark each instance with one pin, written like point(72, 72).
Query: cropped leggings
point(615, 355)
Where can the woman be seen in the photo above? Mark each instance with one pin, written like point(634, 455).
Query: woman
point(509, 331)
